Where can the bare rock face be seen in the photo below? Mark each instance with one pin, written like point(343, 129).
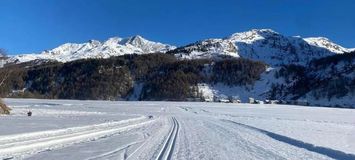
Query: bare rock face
point(3, 108)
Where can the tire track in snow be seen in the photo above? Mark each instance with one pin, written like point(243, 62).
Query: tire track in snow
point(169, 145)
point(21, 145)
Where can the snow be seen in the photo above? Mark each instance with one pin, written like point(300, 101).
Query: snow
point(258, 90)
point(264, 45)
point(327, 44)
point(115, 46)
point(210, 48)
point(251, 36)
point(67, 129)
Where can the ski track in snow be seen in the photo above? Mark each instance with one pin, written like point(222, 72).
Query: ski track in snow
point(169, 144)
point(173, 130)
point(16, 145)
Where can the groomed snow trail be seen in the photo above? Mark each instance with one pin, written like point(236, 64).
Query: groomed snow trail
point(174, 130)
point(16, 146)
point(205, 134)
point(168, 147)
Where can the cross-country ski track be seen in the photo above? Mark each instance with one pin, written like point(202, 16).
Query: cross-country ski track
point(93, 130)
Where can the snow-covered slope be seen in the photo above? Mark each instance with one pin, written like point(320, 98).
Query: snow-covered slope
point(210, 48)
point(323, 82)
point(104, 130)
point(323, 42)
point(259, 44)
point(259, 90)
point(352, 49)
point(265, 45)
point(95, 49)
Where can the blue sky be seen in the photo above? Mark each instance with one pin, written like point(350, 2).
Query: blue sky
point(34, 25)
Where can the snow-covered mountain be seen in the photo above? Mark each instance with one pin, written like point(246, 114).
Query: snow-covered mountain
point(258, 44)
point(115, 46)
point(262, 44)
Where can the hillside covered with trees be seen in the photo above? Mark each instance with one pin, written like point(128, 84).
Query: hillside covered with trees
point(164, 77)
point(326, 78)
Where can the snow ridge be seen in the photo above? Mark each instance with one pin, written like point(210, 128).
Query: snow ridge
point(327, 44)
point(115, 46)
point(264, 45)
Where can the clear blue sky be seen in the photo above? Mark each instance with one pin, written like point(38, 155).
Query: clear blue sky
point(34, 25)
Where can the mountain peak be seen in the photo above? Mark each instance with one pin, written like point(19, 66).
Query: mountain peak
point(263, 31)
point(264, 45)
point(113, 41)
point(137, 37)
point(134, 40)
point(146, 45)
point(253, 35)
point(258, 44)
point(93, 41)
point(114, 46)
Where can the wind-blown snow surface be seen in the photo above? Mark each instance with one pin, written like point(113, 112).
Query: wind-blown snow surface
point(115, 46)
point(62, 129)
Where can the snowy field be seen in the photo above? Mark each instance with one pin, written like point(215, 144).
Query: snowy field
point(91, 130)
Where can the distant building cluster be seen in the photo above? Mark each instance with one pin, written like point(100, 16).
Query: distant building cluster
point(252, 101)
